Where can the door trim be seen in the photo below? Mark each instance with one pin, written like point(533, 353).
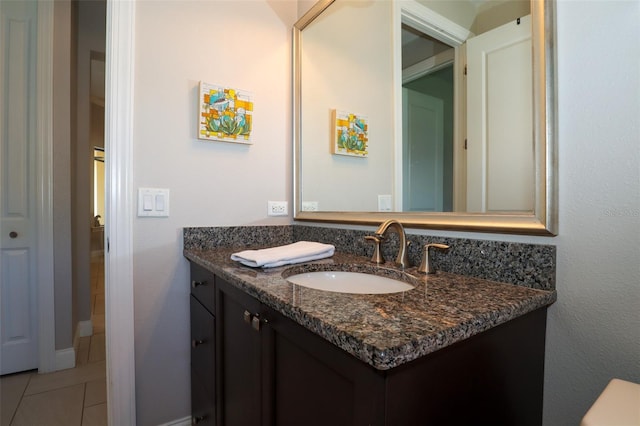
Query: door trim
point(119, 318)
point(44, 190)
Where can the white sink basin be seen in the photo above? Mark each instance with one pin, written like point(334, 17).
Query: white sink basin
point(349, 282)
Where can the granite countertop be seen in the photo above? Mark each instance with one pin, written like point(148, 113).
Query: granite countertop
point(384, 330)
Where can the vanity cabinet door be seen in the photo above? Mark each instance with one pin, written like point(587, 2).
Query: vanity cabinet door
point(239, 357)
point(203, 384)
point(314, 383)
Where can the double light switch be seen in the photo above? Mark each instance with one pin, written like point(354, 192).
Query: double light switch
point(153, 202)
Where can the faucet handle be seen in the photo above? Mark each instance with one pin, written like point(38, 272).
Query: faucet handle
point(426, 266)
point(377, 254)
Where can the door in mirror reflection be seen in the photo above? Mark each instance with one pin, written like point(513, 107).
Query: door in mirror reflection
point(422, 151)
point(500, 149)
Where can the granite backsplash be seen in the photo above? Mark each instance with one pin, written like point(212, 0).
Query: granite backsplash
point(527, 265)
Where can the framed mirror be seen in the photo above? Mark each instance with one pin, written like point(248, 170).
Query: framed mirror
point(372, 143)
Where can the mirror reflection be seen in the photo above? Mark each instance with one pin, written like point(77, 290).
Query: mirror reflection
point(359, 151)
point(437, 140)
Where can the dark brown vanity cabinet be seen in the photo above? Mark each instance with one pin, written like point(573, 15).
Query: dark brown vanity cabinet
point(272, 371)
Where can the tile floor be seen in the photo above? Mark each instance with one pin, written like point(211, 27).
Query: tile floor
point(73, 397)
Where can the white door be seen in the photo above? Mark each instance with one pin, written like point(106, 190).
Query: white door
point(422, 151)
point(18, 238)
point(500, 157)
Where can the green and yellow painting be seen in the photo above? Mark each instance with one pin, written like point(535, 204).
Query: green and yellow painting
point(350, 136)
point(226, 114)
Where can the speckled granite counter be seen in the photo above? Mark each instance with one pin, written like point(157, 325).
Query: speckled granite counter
point(386, 330)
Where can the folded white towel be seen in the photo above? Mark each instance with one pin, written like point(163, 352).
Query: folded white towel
point(302, 251)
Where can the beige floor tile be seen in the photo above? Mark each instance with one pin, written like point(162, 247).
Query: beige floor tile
point(11, 389)
point(95, 415)
point(97, 348)
point(80, 374)
point(95, 393)
point(57, 407)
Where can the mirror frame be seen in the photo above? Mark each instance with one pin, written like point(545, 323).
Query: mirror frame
point(543, 220)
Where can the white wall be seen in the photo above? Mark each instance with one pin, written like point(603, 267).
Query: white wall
point(243, 44)
point(593, 329)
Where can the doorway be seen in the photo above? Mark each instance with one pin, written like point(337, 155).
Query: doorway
point(427, 122)
point(118, 264)
point(33, 116)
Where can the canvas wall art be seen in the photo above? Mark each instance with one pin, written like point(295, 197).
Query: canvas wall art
point(350, 134)
point(225, 114)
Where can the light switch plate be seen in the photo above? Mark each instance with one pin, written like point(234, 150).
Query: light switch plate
point(153, 202)
point(384, 203)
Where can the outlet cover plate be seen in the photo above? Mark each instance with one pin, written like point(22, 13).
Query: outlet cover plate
point(277, 208)
point(309, 206)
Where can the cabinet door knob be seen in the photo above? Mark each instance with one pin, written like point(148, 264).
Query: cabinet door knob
point(255, 323)
point(197, 419)
point(13, 234)
point(195, 283)
point(196, 343)
point(247, 317)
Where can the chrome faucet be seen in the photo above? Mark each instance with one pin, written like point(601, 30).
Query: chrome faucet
point(402, 260)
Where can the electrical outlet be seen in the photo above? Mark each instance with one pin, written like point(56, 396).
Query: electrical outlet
point(277, 208)
point(309, 206)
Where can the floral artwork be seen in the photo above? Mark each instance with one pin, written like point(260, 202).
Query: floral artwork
point(350, 134)
point(226, 114)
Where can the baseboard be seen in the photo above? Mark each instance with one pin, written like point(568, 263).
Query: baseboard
point(185, 421)
point(65, 358)
point(84, 328)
